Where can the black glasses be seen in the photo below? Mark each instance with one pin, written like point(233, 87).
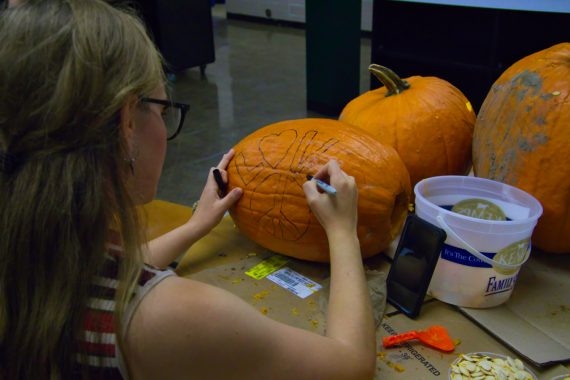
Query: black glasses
point(173, 115)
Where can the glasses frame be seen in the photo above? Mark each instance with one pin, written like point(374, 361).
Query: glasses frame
point(183, 107)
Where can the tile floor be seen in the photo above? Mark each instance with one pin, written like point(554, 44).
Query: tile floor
point(258, 78)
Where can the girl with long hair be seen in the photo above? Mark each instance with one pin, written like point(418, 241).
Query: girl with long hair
point(82, 295)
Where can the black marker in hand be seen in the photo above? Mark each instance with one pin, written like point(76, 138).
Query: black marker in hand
point(221, 184)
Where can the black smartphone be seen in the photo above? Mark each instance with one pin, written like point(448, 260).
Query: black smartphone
point(414, 262)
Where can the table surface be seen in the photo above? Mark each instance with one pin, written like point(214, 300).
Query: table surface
point(223, 256)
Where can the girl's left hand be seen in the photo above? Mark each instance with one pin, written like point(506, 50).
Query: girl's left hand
point(213, 205)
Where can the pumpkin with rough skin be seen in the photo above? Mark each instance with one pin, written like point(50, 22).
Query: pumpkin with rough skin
point(522, 137)
point(271, 165)
point(426, 119)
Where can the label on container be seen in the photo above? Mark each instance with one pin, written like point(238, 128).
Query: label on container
point(480, 209)
point(294, 282)
point(513, 211)
point(496, 285)
point(267, 266)
point(463, 257)
point(512, 254)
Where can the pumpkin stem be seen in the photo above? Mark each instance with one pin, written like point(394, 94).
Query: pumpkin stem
point(390, 79)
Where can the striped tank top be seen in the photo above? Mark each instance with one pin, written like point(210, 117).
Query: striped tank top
point(98, 352)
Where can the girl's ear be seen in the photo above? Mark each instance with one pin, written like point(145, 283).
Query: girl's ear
point(127, 121)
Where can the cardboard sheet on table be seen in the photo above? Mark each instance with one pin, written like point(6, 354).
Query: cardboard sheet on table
point(535, 322)
point(416, 361)
point(224, 255)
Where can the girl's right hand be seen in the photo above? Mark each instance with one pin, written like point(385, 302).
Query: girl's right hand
point(337, 213)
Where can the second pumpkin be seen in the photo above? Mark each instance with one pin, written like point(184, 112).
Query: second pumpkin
point(428, 121)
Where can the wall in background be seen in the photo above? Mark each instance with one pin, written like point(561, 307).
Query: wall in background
point(286, 10)
point(469, 46)
point(558, 6)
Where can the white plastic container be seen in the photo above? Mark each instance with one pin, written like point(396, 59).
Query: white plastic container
point(481, 258)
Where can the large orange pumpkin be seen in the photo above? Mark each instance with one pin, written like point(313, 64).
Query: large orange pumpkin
point(522, 137)
point(426, 119)
point(271, 166)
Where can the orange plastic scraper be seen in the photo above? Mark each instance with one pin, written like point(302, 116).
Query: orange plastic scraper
point(434, 336)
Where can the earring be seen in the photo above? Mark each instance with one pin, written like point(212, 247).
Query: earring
point(133, 157)
point(131, 162)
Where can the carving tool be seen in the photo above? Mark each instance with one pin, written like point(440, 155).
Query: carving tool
point(435, 336)
point(323, 185)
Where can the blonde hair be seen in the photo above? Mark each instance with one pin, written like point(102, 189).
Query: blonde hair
point(67, 68)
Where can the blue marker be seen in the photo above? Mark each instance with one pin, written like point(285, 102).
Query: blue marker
point(323, 185)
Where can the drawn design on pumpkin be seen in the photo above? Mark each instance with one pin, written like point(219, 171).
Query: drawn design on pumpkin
point(268, 188)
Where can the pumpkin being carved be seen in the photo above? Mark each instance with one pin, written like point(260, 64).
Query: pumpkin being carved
point(426, 119)
point(522, 137)
point(271, 165)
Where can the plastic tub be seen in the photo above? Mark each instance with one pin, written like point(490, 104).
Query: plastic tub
point(489, 225)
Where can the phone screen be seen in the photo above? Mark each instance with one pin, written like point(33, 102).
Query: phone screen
point(413, 265)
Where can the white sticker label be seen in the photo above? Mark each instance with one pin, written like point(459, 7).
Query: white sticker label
point(294, 282)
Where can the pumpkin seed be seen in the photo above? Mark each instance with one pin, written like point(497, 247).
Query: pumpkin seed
point(511, 362)
point(464, 371)
point(470, 367)
point(483, 367)
point(500, 362)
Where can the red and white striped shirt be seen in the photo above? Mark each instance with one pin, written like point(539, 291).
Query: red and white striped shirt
point(98, 352)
